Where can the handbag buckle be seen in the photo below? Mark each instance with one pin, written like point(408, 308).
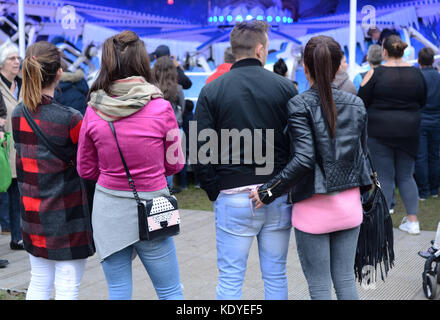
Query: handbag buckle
point(375, 180)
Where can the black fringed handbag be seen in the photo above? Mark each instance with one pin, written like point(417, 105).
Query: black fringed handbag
point(376, 238)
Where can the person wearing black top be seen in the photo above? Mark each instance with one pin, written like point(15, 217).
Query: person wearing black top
point(182, 79)
point(428, 159)
point(250, 99)
point(393, 94)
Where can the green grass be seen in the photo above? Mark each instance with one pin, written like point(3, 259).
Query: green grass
point(428, 215)
point(194, 199)
point(429, 210)
point(10, 295)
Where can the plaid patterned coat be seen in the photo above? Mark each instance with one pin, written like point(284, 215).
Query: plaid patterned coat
point(56, 224)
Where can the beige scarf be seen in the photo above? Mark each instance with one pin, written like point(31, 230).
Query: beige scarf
point(128, 96)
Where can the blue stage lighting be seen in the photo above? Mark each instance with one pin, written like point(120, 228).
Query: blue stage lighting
point(260, 17)
point(277, 19)
point(284, 19)
point(239, 18)
point(269, 18)
point(221, 19)
point(210, 19)
point(229, 18)
point(249, 17)
point(215, 19)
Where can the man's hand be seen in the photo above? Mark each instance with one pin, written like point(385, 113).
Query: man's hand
point(256, 198)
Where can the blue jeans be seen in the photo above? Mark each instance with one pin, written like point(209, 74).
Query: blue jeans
point(327, 257)
point(14, 211)
point(4, 211)
point(170, 181)
point(428, 162)
point(159, 259)
point(236, 226)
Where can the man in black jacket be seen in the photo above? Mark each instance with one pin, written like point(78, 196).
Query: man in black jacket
point(246, 106)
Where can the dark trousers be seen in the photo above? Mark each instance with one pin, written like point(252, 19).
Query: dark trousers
point(427, 170)
point(4, 211)
point(395, 166)
point(14, 211)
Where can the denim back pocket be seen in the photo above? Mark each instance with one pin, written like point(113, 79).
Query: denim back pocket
point(235, 215)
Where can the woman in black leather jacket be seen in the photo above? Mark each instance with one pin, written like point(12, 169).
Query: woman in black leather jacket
point(326, 175)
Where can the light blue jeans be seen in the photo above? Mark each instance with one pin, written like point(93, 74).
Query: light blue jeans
point(159, 259)
point(237, 224)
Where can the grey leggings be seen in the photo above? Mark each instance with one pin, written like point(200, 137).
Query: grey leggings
point(327, 257)
point(392, 165)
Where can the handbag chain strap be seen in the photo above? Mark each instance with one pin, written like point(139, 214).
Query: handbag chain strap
point(130, 178)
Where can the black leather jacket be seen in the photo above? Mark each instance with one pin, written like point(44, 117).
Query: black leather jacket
point(320, 164)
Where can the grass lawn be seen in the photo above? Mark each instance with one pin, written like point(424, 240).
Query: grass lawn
point(194, 199)
point(429, 213)
point(10, 295)
point(429, 210)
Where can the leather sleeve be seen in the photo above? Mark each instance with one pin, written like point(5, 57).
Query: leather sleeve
point(303, 160)
point(365, 151)
point(182, 79)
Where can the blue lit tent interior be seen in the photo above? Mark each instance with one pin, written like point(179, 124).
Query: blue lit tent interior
point(197, 31)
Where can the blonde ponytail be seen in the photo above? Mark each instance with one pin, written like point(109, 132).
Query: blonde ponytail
point(40, 68)
point(32, 83)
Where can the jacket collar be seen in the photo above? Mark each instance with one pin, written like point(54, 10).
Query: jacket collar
point(246, 63)
point(45, 99)
point(333, 85)
point(8, 84)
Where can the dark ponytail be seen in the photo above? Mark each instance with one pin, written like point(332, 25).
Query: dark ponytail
point(322, 56)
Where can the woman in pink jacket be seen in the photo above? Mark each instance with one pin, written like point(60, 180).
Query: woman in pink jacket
point(149, 139)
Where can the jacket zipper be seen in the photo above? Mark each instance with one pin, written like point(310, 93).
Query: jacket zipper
point(269, 192)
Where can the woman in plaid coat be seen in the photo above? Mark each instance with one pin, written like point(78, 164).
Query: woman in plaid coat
point(56, 224)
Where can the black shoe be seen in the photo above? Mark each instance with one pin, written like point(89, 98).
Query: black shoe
point(16, 245)
point(175, 190)
point(3, 263)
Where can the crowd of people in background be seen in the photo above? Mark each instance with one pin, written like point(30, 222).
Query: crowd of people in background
point(392, 110)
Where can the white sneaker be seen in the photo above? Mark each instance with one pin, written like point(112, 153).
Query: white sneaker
point(391, 211)
point(409, 226)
